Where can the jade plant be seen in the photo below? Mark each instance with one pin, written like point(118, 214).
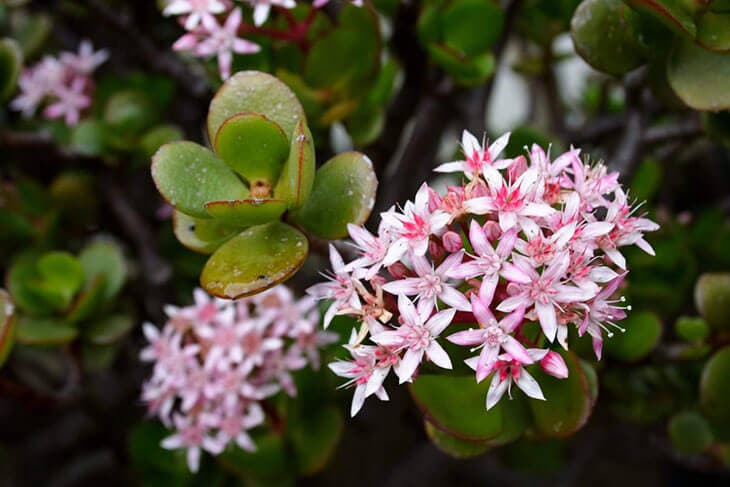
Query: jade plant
point(252, 200)
point(686, 45)
point(459, 35)
point(61, 299)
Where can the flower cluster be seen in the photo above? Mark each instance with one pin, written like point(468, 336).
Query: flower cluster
point(215, 27)
point(216, 361)
point(528, 239)
point(64, 84)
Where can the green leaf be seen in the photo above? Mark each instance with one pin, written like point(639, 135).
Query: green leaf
point(253, 146)
point(436, 396)
point(689, 432)
point(61, 271)
point(472, 26)
point(32, 32)
point(130, 112)
point(466, 70)
point(188, 176)
point(643, 331)
point(158, 136)
point(104, 257)
point(715, 387)
point(691, 329)
point(712, 299)
point(88, 137)
point(108, 329)
point(256, 259)
point(20, 281)
point(297, 176)
point(602, 32)
point(451, 445)
point(675, 14)
point(254, 92)
point(89, 300)
point(568, 403)
point(201, 235)
point(7, 325)
point(713, 31)
point(11, 60)
point(343, 192)
point(44, 331)
point(314, 438)
point(698, 76)
point(246, 213)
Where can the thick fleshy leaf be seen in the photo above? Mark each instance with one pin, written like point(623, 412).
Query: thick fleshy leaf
point(88, 137)
point(44, 331)
point(44, 283)
point(602, 32)
point(568, 403)
point(699, 77)
point(11, 60)
point(472, 26)
point(436, 396)
point(158, 136)
point(712, 299)
point(715, 387)
point(188, 176)
point(713, 31)
point(451, 445)
point(108, 329)
point(60, 273)
point(246, 213)
point(691, 329)
point(7, 325)
point(104, 257)
point(689, 432)
point(643, 331)
point(253, 146)
point(254, 92)
point(297, 176)
point(129, 112)
point(89, 300)
point(20, 279)
point(677, 15)
point(314, 438)
point(466, 70)
point(201, 235)
point(256, 259)
point(343, 192)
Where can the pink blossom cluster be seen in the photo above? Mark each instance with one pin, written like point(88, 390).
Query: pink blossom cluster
point(63, 84)
point(216, 362)
point(214, 27)
point(521, 240)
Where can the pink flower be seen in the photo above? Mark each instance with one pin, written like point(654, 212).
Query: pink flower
point(507, 371)
point(192, 435)
point(86, 60)
point(221, 41)
point(340, 288)
point(234, 425)
point(487, 263)
point(413, 228)
point(492, 337)
point(194, 9)
point(545, 291)
point(553, 364)
point(477, 156)
point(372, 249)
point(364, 372)
point(511, 202)
point(417, 336)
point(601, 314)
point(431, 284)
point(71, 101)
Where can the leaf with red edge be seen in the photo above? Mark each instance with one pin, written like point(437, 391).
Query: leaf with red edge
point(675, 14)
point(246, 213)
point(297, 176)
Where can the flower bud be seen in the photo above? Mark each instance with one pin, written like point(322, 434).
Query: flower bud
point(398, 270)
point(452, 241)
point(492, 230)
point(553, 364)
point(435, 249)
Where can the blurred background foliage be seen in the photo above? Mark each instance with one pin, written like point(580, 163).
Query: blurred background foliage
point(89, 250)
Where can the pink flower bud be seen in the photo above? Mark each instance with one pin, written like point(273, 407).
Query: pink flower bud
point(452, 241)
point(435, 249)
point(517, 168)
point(398, 270)
point(553, 364)
point(434, 200)
point(492, 230)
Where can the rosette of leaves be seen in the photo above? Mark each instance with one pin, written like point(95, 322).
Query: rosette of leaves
point(62, 298)
point(459, 35)
point(249, 199)
point(126, 119)
point(470, 430)
point(685, 43)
